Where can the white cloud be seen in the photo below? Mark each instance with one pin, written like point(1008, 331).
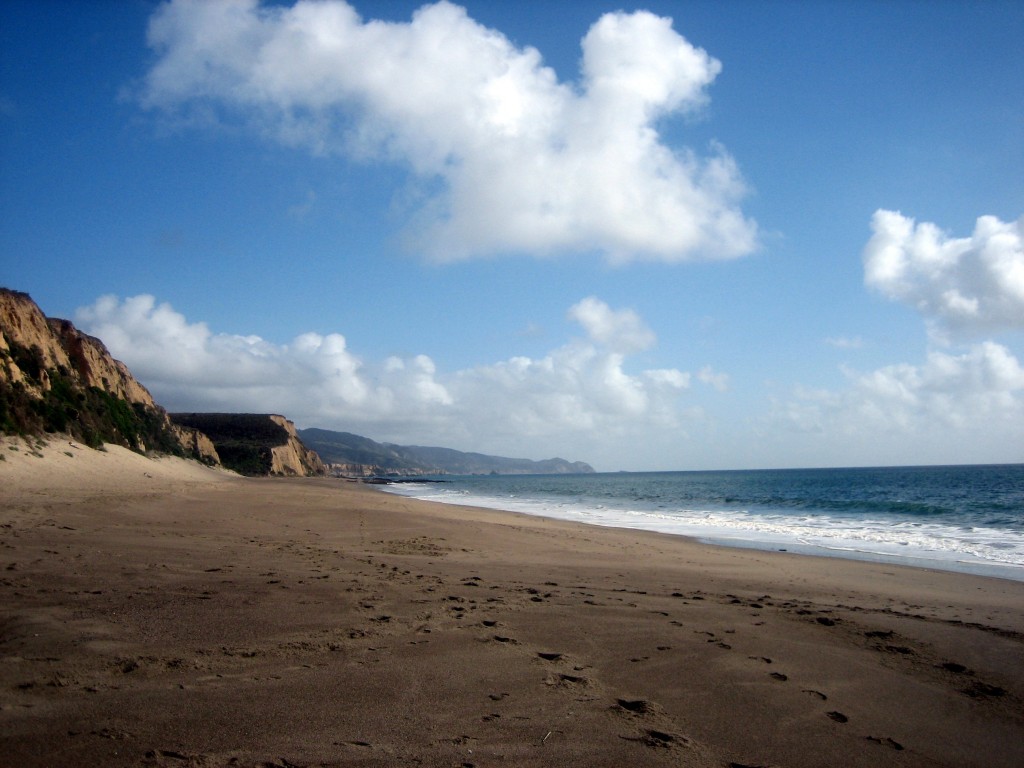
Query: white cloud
point(955, 406)
point(845, 342)
point(715, 379)
point(979, 392)
point(580, 397)
point(967, 285)
point(622, 330)
point(526, 163)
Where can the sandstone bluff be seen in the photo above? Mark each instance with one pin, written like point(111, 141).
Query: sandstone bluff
point(56, 380)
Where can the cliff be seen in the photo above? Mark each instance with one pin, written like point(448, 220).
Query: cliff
point(54, 344)
point(54, 378)
point(349, 454)
point(255, 444)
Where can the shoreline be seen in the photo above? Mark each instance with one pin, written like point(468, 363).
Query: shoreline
point(172, 615)
point(765, 542)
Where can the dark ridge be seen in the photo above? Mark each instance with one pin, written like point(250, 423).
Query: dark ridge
point(359, 454)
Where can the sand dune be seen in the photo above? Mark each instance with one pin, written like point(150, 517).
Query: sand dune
point(34, 467)
point(155, 612)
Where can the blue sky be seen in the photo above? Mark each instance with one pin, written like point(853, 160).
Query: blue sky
point(757, 235)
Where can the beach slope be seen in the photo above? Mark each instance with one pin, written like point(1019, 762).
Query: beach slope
point(157, 612)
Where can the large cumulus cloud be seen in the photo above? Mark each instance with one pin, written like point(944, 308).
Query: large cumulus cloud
point(579, 397)
point(526, 163)
point(967, 285)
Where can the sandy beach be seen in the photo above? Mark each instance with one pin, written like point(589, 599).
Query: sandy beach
point(155, 612)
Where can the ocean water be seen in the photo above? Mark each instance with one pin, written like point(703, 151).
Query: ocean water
point(965, 518)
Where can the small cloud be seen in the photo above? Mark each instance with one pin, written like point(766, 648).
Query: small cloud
point(719, 381)
point(303, 209)
point(845, 342)
point(621, 330)
point(532, 331)
point(669, 377)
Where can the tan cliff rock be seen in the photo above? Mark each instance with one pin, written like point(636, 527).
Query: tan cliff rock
point(54, 378)
point(255, 443)
point(22, 322)
point(60, 345)
point(294, 458)
point(96, 366)
point(197, 444)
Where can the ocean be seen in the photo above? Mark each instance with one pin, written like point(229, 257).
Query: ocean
point(962, 518)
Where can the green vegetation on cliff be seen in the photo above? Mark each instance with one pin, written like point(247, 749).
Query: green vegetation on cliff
point(244, 441)
point(53, 400)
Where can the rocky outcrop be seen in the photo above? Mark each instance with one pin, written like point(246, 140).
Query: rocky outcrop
point(56, 379)
point(57, 345)
point(255, 443)
point(293, 458)
point(197, 444)
point(338, 469)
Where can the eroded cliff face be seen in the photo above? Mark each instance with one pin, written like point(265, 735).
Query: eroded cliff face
point(293, 458)
point(54, 378)
point(255, 443)
point(197, 444)
point(57, 344)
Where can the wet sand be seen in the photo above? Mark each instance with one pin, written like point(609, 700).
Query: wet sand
point(154, 612)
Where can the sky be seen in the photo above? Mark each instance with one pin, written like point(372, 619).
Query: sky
point(669, 236)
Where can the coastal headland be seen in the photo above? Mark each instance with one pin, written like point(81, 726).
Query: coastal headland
point(159, 612)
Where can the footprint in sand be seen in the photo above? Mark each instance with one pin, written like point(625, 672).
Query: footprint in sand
point(980, 690)
point(778, 676)
point(637, 706)
point(886, 742)
point(839, 717)
point(653, 738)
point(574, 679)
point(566, 681)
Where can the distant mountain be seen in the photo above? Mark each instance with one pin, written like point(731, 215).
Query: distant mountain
point(357, 455)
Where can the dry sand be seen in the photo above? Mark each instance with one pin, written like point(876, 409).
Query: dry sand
point(160, 613)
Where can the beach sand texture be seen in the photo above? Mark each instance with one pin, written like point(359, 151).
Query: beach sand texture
point(155, 612)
